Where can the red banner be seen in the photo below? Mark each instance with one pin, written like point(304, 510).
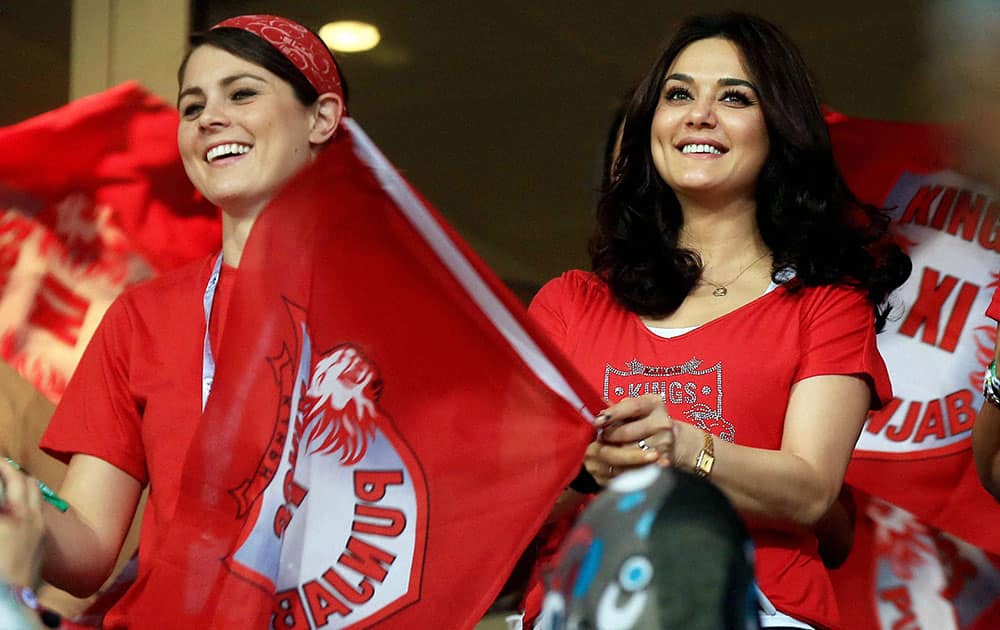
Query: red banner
point(903, 574)
point(93, 197)
point(915, 454)
point(386, 429)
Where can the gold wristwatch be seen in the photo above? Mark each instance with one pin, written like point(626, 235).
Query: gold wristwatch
point(706, 458)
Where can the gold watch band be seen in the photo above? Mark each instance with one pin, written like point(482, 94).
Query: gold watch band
point(706, 458)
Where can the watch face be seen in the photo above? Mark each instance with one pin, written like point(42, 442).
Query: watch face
point(703, 466)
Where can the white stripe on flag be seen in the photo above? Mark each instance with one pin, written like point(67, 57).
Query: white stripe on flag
point(461, 268)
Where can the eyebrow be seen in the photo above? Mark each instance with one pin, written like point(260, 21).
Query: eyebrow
point(725, 81)
point(226, 81)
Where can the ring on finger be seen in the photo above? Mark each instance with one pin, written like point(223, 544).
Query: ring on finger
point(611, 470)
point(642, 445)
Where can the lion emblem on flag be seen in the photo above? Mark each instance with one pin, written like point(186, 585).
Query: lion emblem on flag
point(340, 404)
point(336, 511)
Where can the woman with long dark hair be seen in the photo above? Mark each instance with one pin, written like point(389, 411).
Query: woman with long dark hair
point(737, 286)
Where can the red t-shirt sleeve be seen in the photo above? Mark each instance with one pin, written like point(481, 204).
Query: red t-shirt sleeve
point(839, 338)
point(98, 415)
point(993, 310)
point(549, 306)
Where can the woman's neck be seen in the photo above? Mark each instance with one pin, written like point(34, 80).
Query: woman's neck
point(722, 235)
point(235, 231)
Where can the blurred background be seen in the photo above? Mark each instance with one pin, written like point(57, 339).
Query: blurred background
point(496, 110)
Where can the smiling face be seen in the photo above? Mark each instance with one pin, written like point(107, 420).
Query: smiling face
point(708, 138)
point(243, 134)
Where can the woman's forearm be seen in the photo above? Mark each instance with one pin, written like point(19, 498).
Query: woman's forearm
point(986, 447)
point(76, 560)
point(761, 482)
point(82, 543)
point(795, 483)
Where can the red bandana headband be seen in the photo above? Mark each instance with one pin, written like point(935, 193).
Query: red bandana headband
point(302, 47)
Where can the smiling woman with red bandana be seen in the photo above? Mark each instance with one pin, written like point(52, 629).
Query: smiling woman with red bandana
point(259, 98)
point(737, 285)
point(244, 129)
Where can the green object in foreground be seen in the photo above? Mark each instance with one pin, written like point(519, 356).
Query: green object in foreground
point(47, 493)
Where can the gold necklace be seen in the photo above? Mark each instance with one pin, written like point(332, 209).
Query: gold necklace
point(721, 290)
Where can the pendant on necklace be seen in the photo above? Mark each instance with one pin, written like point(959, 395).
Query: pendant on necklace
point(720, 292)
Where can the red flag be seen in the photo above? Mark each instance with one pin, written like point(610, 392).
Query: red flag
point(903, 573)
point(915, 454)
point(386, 430)
point(93, 197)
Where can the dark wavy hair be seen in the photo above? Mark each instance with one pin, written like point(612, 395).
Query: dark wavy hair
point(248, 46)
point(806, 214)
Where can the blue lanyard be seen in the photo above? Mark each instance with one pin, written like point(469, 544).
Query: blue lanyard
point(207, 360)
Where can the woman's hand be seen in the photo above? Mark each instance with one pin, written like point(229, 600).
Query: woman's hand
point(634, 432)
point(22, 528)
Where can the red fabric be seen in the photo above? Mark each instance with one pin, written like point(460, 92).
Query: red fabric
point(993, 311)
point(124, 157)
point(220, 306)
point(938, 342)
point(902, 574)
point(767, 345)
point(299, 45)
point(915, 147)
point(93, 198)
point(916, 454)
point(480, 444)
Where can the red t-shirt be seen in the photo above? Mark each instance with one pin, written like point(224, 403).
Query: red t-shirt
point(135, 397)
point(732, 376)
point(993, 310)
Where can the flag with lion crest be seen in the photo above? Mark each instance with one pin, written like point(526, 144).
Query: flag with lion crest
point(386, 429)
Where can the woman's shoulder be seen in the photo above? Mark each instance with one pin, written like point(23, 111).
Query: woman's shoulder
point(572, 305)
point(832, 302)
point(158, 309)
point(577, 283)
point(160, 291)
point(573, 290)
point(835, 293)
point(169, 299)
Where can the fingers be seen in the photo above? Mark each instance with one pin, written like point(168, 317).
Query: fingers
point(22, 528)
point(32, 494)
point(632, 432)
point(606, 461)
point(662, 444)
point(628, 409)
point(634, 419)
point(662, 439)
point(600, 470)
point(13, 487)
point(627, 428)
point(19, 491)
point(629, 456)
